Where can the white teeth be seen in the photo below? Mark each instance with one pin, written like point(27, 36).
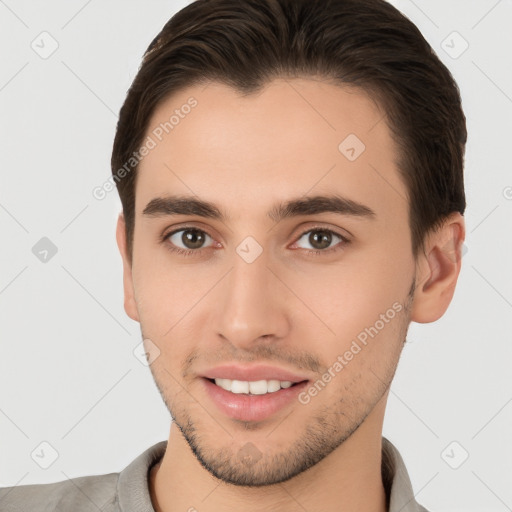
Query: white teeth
point(259, 387)
point(239, 386)
point(273, 385)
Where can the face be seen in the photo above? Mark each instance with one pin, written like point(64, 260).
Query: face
point(321, 288)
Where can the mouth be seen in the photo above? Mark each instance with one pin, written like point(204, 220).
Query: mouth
point(241, 404)
point(253, 387)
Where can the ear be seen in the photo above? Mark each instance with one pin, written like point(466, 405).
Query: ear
point(438, 269)
point(129, 295)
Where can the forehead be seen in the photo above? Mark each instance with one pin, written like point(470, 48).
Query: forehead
point(293, 137)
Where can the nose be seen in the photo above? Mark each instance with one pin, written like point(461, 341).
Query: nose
point(252, 303)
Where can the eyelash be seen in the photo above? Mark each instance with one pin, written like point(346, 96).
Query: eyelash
point(313, 252)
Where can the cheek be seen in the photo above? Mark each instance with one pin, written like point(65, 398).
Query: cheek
point(350, 297)
point(360, 310)
point(164, 291)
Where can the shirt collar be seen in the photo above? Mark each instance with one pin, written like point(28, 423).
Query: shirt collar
point(396, 481)
point(133, 485)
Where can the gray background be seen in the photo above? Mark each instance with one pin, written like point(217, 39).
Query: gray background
point(68, 373)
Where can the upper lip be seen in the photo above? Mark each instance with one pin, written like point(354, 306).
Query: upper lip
point(252, 373)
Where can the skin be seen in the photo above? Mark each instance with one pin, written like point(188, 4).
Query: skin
point(289, 307)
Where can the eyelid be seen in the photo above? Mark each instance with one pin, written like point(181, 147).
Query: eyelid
point(343, 234)
point(315, 227)
point(345, 241)
point(185, 226)
point(176, 229)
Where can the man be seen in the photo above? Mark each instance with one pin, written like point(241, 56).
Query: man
point(291, 179)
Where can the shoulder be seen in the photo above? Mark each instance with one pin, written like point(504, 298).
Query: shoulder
point(396, 481)
point(81, 494)
point(111, 492)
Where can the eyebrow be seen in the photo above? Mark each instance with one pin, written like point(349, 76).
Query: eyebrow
point(190, 205)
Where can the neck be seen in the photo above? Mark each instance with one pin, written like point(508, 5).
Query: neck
point(348, 479)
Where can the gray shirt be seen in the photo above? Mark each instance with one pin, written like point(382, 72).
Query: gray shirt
point(128, 490)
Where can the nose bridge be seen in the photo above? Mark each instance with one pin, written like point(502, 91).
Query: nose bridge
point(252, 302)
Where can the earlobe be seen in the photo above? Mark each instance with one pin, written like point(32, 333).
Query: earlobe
point(129, 293)
point(438, 270)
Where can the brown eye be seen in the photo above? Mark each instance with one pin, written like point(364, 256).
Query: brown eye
point(188, 238)
point(320, 239)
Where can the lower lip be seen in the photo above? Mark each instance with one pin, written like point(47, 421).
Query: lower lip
point(245, 407)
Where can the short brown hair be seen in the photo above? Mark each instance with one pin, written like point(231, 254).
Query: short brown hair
point(363, 43)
